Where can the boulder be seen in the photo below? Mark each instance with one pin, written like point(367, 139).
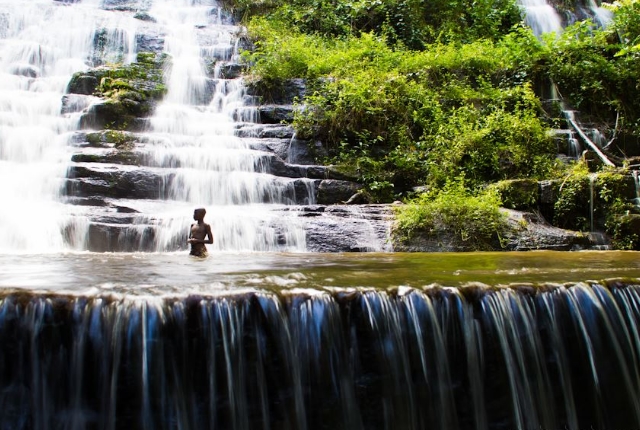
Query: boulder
point(334, 191)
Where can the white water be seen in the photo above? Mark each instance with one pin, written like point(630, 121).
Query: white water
point(541, 17)
point(217, 169)
point(42, 43)
point(190, 140)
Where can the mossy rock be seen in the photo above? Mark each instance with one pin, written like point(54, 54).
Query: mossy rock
point(130, 91)
point(113, 157)
point(83, 83)
point(107, 138)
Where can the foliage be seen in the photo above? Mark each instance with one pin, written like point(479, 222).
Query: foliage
point(598, 70)
point(599, 198)
point(520, 194)
point(571, 208)
point(412, 23)
point(411, 96)
point(475, 220)
point(613, 192)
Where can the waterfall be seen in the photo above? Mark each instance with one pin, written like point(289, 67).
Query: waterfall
point(563, 356)
point(190, 147)
point(41, 44)
point(541, 17)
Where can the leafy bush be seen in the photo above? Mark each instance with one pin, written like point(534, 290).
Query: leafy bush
point(475, 220)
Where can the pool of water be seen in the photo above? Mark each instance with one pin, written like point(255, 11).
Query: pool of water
point(178, 273)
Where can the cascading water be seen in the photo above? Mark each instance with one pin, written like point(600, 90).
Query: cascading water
point(190, 146)
point(193, 134)
point(437, 358)
point(41, 44)
point(541, 17)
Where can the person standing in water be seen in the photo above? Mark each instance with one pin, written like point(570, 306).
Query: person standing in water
point(200, 234)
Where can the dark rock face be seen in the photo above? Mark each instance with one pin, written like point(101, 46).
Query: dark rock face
point(332, 191)
point(111, 181)
point(83, 84)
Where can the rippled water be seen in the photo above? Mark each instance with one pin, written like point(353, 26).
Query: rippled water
point(177, 273)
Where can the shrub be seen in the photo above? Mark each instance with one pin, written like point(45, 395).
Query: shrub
point(475, 220)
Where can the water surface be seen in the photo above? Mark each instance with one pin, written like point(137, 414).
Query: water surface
point(178, 273)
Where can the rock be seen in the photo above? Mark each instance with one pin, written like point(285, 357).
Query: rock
point(348, 228)
point(150, 42)
point(265, 131)
point(275, 114)
point(120, 238)
point(83, 84)
point(305, 151)
point(231, 70)
point(144, 16)
point(112, 181)
point(521, 194)
point(529, 231)
point(526, 231)
point(111, 157)
point(287, 93)
point(333, 191)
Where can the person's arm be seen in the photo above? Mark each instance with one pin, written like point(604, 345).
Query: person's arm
point(209, 235)
point(190, 238)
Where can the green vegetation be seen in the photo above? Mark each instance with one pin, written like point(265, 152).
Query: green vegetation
point(472, 220)
point(410, 97)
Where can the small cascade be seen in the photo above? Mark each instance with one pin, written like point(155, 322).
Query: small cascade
point(541, 17)
point(601, 16)
point(636, 180)
point(552, 357)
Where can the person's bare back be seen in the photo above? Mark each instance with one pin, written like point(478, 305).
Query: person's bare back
point(199, 234)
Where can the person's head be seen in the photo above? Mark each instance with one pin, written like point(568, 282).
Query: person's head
point(199, 213)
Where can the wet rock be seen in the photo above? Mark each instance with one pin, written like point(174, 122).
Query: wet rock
point(119, 238)
point(149, 41)
point(333, 191)
point(83, 83)
point(526, 231)
point(348, 228)
point(305, 151)
point(111, 181)
point(275, 114)
point(72, 103)
point(287, 93)
point(26, 70)
point(277, 167)
point(111, 157)
point(265, 131)
point(231, 70)
point(529, 231)
point(144, 16)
